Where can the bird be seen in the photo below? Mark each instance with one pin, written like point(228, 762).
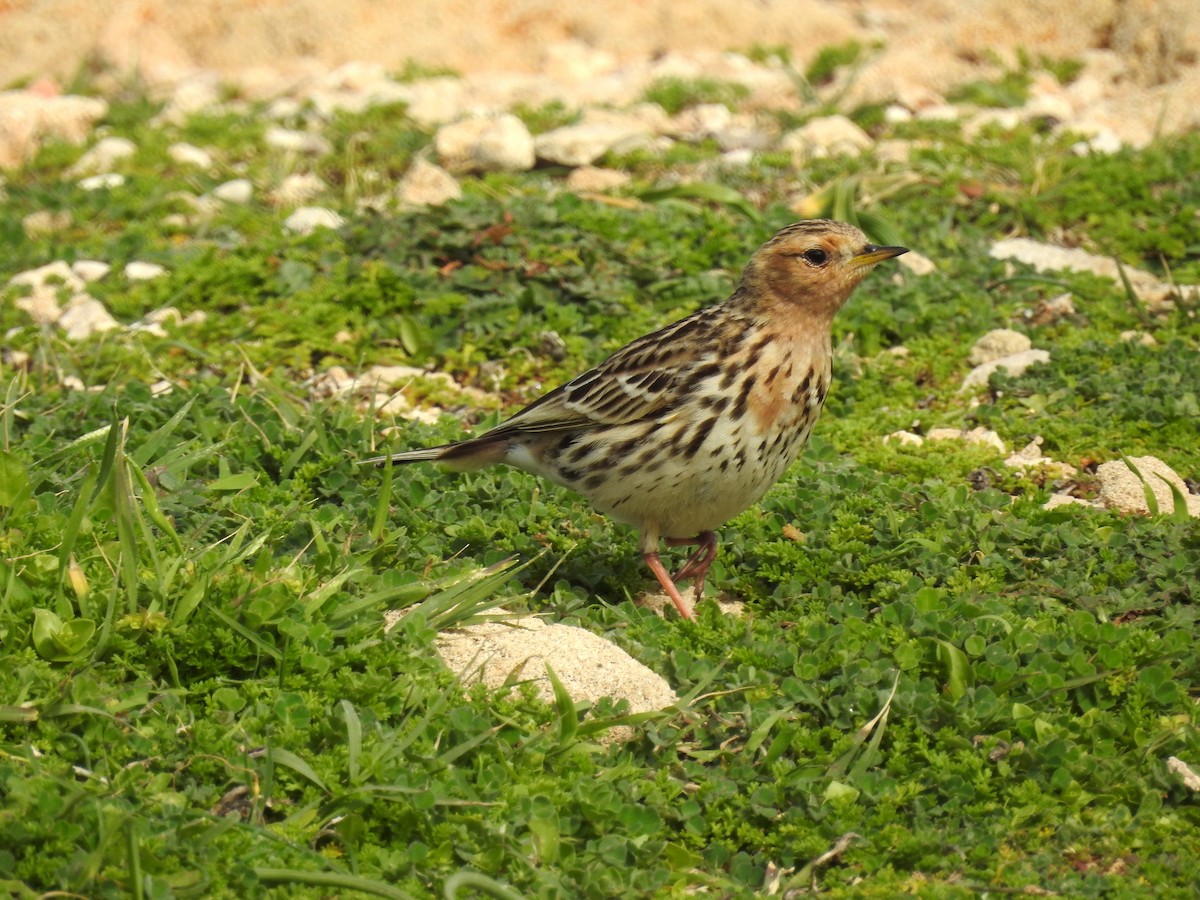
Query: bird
point(682, 429)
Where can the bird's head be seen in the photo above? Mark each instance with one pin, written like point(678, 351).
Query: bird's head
point(812, 267)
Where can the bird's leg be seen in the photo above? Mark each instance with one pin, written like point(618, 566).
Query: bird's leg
point(649, 543)
point(668, 585)
point(697, 564)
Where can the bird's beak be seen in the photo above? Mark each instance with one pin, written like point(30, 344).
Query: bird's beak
point(871, 255)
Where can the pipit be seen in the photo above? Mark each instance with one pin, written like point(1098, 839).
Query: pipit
point(682, 429)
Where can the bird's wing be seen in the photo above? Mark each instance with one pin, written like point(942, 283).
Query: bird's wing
point(642, 379)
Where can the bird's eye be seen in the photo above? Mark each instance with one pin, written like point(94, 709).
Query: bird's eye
point(815, 256)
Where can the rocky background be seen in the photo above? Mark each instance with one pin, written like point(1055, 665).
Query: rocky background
point(1142, 62)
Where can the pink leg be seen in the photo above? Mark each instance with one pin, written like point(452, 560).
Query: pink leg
point(697, 564)
point(656, 566)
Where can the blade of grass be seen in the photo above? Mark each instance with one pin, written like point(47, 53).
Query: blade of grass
point(330, 880)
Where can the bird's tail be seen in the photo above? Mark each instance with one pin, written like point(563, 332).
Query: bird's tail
point(461, 456)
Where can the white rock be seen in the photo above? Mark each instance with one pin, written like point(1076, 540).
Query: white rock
point(41, 306)
point(591, 180)
point(306, 142)
point(139, 270)
point(702, 120)
point(826, 136)
point(298, 188)
point(1185, 773)
point(152, 328)
point(190, 155)
point(16, 359)
point(50, 275)
point(906, 438)
point(997, 344)
point(308, 219)
point(1048, 311)
point(1121, 489)
point(84, 316)
point(1030, 457)
point(939, 112)
point(90, 269)
point(45, 221)
point(504, 146)
point(498, 143)
point(1048, 257)
point(163, 314)
point(195, 317)
point(1016, 364)
point(240, 190)
point(981, 436)
point(27, 118)
point(378, 377)
point(107, 181)
point(736, 159)
point(48, 284)
point(191, 94)
point(587, 665)
point(583, 144)
point(425, 184)
point(1057, 500)
point(284, 108)
point(894, 151)
point(1104, 141)
point(1139, 337)
point(917, 263)
point(101, 158)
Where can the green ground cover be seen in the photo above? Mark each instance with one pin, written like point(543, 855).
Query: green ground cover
point(197, 696)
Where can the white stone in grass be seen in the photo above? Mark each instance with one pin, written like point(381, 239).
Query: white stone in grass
point(101, 158)
point(1030, 457)
point(90, 269)
point(50, 275)
point(305, 142)
point(587, 665)
point(139, 270)
point(190, 155)
point(997, 344)
point(1187, 774)
point(47, 284)
point(904, 438)
point(45, 221)
point(298, 188)
point(1057, 500)
point(583, 144)
point(107, 181)
point(917, 263)
point(1138, 337)
point(308, 219)
point(592, 180)
point(980, 436)
point(425, 184)
point(84, 316)
point(496, 143)
point(1015, 364)
point(239, 190)
point(1122, 490)
point(825, 136)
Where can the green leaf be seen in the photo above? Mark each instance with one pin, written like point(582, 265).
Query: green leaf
point(14, 481)
point(58, 641)
point(955, 666)
point(704, 190)
point(288, 759)
point(238, 482)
